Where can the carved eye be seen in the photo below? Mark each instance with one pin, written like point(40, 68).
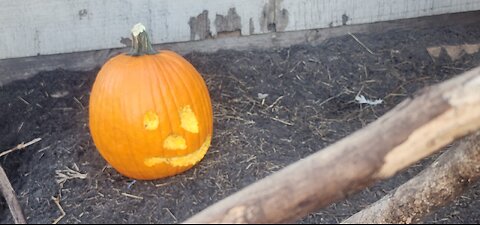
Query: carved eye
point(188, 120)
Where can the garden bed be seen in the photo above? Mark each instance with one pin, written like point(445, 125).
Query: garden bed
point(271, 108)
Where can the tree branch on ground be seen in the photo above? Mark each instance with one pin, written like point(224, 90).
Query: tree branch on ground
point(413, 130)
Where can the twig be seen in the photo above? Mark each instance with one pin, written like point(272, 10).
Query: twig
point(163, 184)
point(57, 202)
point(132, 196)
point(275, 102)
point(20, 147)
point(247, 122)
point(365, 70)
point(12, 202)
point(171, 214)
point(360, 91)
point(23, 100)
point(43, 149)
point(329, 99)
point(62, 176)
point(79, 103)
point(282, 121)
point(296, 66)
point(20, 127)
point(363, 45)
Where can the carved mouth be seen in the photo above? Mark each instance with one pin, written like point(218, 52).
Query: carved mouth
point(181, 161)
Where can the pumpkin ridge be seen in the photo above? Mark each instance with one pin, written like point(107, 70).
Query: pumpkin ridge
point(171, 95)
point(130, 135)
point(152, 80)
point(157, 67)
point(103, 91)
point(104, 88)
point(152, 93)
point(206, 104)
point(201, 132)
point(109, 86)
point(173, 80)
point(177, 75)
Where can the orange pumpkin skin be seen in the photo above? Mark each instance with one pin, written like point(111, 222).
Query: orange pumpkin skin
point(150, 115)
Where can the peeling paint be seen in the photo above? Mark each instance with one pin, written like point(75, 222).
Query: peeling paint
point(229, 25)
point(267, 19)
point(274, 18)
point(200, 27)
point(345, 19)
point(251, 26)
point(82, 13)
point(281, 19)
point(36, 39)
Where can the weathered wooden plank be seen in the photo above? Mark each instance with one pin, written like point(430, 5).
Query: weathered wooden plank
point(43, 27)
point(311, 14)
point(22, 68)
point(32, 27)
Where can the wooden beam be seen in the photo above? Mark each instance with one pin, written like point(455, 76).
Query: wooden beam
point(11, 199)
point(439, 184)
point(414, 129)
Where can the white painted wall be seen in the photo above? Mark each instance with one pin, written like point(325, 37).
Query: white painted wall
point(33, 27)
point(311, 14)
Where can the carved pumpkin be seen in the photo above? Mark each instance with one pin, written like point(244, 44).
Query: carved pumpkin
point(150, 113)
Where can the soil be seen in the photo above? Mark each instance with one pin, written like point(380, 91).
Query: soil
point(308, 103)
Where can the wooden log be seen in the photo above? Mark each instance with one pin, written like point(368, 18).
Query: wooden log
point(414, 129)
point(10, 198)
point(444, 180)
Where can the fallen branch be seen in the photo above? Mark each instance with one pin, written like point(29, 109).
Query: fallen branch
point(447, 178)
point(411, 131)
point(20, 146)
point(11, 199)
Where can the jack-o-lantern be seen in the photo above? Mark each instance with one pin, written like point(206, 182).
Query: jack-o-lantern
point(150, 112)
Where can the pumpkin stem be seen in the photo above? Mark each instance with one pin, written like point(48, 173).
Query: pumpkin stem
point(141, 44)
